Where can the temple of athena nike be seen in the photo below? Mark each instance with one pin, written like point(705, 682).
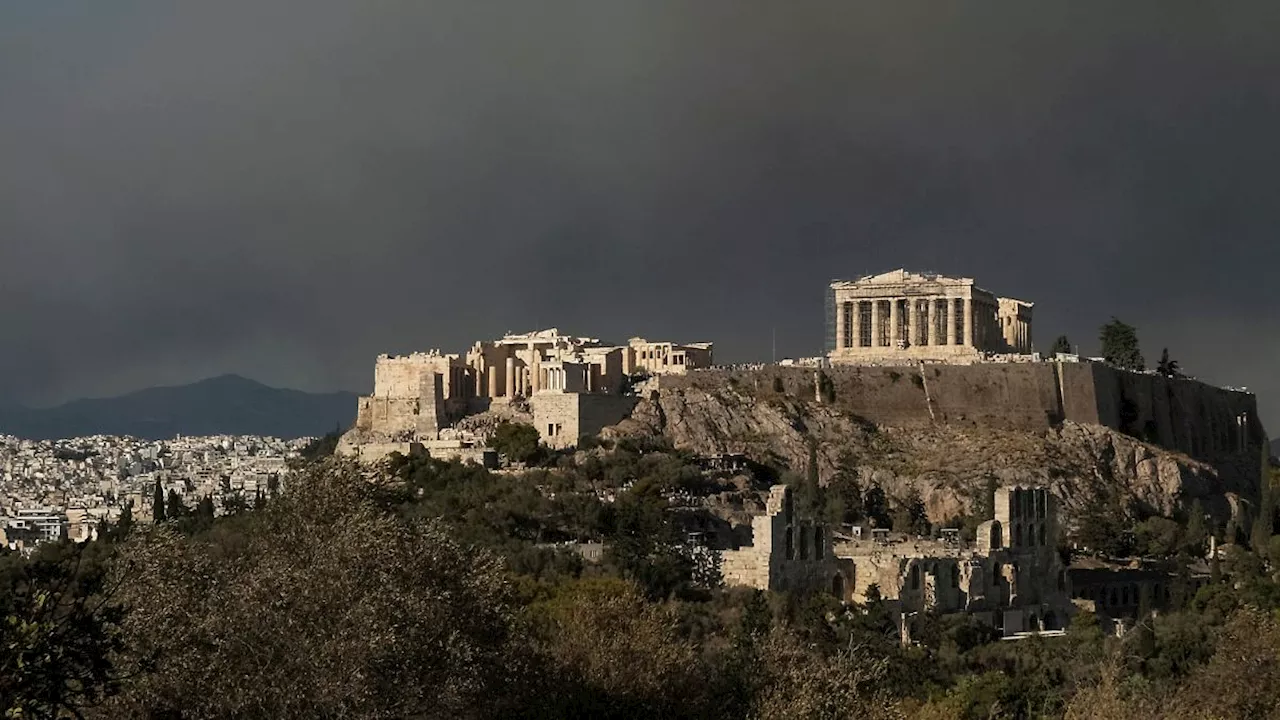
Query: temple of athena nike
point(905, 316)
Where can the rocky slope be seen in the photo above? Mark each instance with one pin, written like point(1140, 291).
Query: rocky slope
point(947, 464)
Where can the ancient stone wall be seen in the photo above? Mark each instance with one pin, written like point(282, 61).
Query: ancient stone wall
point(787, 553)
point(563, 418)
point(1205, 422)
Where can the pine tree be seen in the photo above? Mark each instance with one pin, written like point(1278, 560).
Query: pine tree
point(1167, 367)
point(1061, 346)
point(1120, 345)
point(157, 504)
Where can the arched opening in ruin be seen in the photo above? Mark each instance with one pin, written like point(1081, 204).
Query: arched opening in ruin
point(915, 577)
point(1015, 507)
point(1033, 623)
point(1051, 621)
point(837, 586)
point(1042, 536)
point(1112, 599)
point(1017, 535)
point(997, 535)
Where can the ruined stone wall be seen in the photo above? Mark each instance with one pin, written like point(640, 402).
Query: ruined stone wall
point(563, 418)
point(596, 412)
point(556, 416)
point(787, 553)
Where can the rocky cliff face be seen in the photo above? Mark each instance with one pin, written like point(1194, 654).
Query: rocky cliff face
point(947, 464)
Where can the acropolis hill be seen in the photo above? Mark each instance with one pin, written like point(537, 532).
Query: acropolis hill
point(930, 385)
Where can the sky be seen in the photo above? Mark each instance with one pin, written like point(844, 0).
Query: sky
point(286, 188)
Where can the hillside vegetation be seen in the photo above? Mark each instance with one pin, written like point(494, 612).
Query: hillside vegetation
point(428, 589)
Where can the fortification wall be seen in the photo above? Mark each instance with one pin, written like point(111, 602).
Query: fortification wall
point(1205, 422)
point(563, 418)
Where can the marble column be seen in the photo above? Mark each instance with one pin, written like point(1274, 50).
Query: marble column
point(840, 340)
point(913, 322)
point(968, 322)
point(951, 321)
point(895, 322)
point(511, 377)
point(933, 321)
point(855, 324)
point(875, 323)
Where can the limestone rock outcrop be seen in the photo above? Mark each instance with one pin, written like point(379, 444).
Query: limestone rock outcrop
point(947, 464)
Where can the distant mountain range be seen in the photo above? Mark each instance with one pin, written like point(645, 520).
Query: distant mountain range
point(226, 405)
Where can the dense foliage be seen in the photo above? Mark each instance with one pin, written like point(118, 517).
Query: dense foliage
point(444, 590)
point(1120, 345)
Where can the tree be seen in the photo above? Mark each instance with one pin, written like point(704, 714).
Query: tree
point(1195, 536)
point(1061, 346)
point(1167, 367)
point(1260, 537)
point(59, 630)
point(587, 627)
point(809, 495)
point(124, 525)
point(404, 622)
point(175, 509)
point(1120, 346)
point(157, 504)
point(911, 517)
point(518, 441)
point(876, 506)
point(204, 509)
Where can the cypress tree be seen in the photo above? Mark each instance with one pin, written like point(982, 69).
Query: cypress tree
point(125, 524)
point(157, 504)
point(1195, 537)
point(175, 508)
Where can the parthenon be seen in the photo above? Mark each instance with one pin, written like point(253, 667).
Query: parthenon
point(906, 316)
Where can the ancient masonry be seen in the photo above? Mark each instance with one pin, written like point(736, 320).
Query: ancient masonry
point(1012, 578)
point(573, 386)
point(904, 316)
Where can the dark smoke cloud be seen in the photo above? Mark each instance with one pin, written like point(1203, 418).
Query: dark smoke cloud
point(285, 189)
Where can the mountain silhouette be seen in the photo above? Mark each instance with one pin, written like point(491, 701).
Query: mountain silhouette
point(225, 405)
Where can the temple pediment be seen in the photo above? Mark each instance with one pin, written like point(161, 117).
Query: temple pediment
point(902, 276)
